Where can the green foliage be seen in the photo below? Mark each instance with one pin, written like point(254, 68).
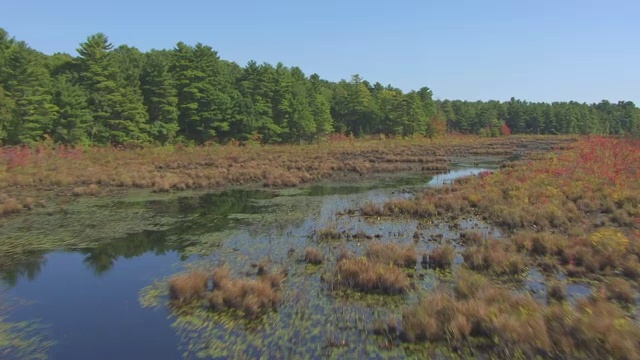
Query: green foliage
point(26, 81)
point(122, 96)
point(160, 96)
point(540, 118)
point(74, 117)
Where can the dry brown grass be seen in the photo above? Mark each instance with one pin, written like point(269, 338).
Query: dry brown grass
point(508, 325)
point(378, 270)
point(178, 167)
point(369, 276)
point(186, 288)
point(621, 291)
point(391, 253)
point(540, 244)
point(495, 257)
point(91, 190)
point(250, 296)
point(471, 238)
point(313, 256)
point(10, 206)
point(592, 330)
point(371, 209)
point(329, 233)
point(440, 257)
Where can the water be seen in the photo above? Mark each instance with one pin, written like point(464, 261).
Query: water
point(87, 292)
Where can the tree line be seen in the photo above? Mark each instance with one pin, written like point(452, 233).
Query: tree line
point(188, 94)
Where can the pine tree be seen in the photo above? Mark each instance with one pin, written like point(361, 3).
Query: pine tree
point(160, 96)
point(302, 125)
point(26, 81)
point(98, 77)
point(74, 117)
point(6, 109)
point(320, 107)
point(205, 98)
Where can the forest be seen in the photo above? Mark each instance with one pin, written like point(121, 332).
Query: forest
point(106, 95)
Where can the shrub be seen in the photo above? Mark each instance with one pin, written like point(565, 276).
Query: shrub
point(609, 242)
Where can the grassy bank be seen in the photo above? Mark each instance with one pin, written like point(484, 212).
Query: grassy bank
point(35, 177)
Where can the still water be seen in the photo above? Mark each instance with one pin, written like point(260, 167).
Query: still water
point(87, 299)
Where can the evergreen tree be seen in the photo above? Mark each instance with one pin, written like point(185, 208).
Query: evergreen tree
point(74, 117)
point(6, 109)
point(204, 96)
point(301, 123)
point(320, 106)
point(26, 81)
point(160, 96)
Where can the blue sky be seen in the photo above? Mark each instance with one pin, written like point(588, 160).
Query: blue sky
point(473, 50)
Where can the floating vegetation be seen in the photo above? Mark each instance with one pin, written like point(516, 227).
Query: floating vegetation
point(21, 340)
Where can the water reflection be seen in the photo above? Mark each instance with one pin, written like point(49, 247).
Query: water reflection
point(198, 215)
point(66, 295)
point(23, 265)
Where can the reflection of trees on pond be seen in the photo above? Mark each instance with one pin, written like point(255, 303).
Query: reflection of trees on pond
point(102, 257)
point(15, 266)
point(198, 215)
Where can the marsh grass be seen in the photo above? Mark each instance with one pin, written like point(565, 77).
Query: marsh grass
point(250, 296)
point(495, 257)
point(186, 288)
point(176, 168)
point(329, 233)
point(620, 291)
point(378, 270)
point(506, 324)
point(440, 257)
point(313, 256)
point(392, 253)
point(556, 291)
point(365, 275)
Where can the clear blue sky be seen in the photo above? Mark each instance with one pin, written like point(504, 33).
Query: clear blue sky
point(541, 50)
